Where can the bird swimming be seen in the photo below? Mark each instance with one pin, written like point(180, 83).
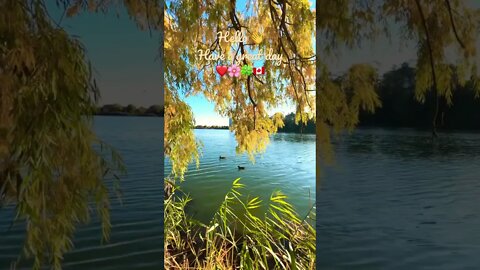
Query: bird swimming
point(241, 167)
point(220, 157)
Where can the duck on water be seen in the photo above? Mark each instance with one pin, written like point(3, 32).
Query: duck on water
point(239, 167)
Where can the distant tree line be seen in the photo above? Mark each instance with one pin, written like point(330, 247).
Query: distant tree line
point(292, 127)
point(210, 127)
point(288, 120)
point(401, 109)
point(130, 110)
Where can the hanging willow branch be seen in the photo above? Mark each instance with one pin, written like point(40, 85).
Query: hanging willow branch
point(432, 65)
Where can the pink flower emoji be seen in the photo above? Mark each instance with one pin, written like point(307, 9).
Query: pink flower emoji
point(234, 71)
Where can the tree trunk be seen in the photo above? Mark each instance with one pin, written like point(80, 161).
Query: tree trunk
point(435, 114)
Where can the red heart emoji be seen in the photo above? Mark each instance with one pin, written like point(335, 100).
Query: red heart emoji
point(222, 70)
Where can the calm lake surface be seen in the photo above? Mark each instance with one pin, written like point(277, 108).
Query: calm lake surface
point(393, 200)
point(137, 233)
point(287, 165)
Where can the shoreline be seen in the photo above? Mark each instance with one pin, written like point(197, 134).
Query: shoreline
point(128, 115)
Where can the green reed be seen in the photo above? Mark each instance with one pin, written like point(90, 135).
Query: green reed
point(238, 239)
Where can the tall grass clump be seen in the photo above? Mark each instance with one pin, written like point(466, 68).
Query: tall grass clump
point(237, 237)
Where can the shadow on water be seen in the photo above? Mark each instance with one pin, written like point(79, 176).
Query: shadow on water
point(411, 144)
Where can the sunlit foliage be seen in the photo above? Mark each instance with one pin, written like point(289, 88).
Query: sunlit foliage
point(193, 25)
point(179, 141)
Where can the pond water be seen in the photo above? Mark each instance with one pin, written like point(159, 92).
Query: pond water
point(395, 200)
point(287, 165)
point(137, 232)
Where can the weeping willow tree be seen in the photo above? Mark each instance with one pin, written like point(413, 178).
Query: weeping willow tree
point(444, 31)
point(52, 166)
point(48, 166)
point(191, 26)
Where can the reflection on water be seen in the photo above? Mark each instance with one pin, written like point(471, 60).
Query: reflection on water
point(137, 232)
point(413, 144)
point(287, 165)
point(395, 200)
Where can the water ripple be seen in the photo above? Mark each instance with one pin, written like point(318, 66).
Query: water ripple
point(137, 231)
point(396, 201)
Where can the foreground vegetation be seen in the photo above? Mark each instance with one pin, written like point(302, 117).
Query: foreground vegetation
point(237, 237)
